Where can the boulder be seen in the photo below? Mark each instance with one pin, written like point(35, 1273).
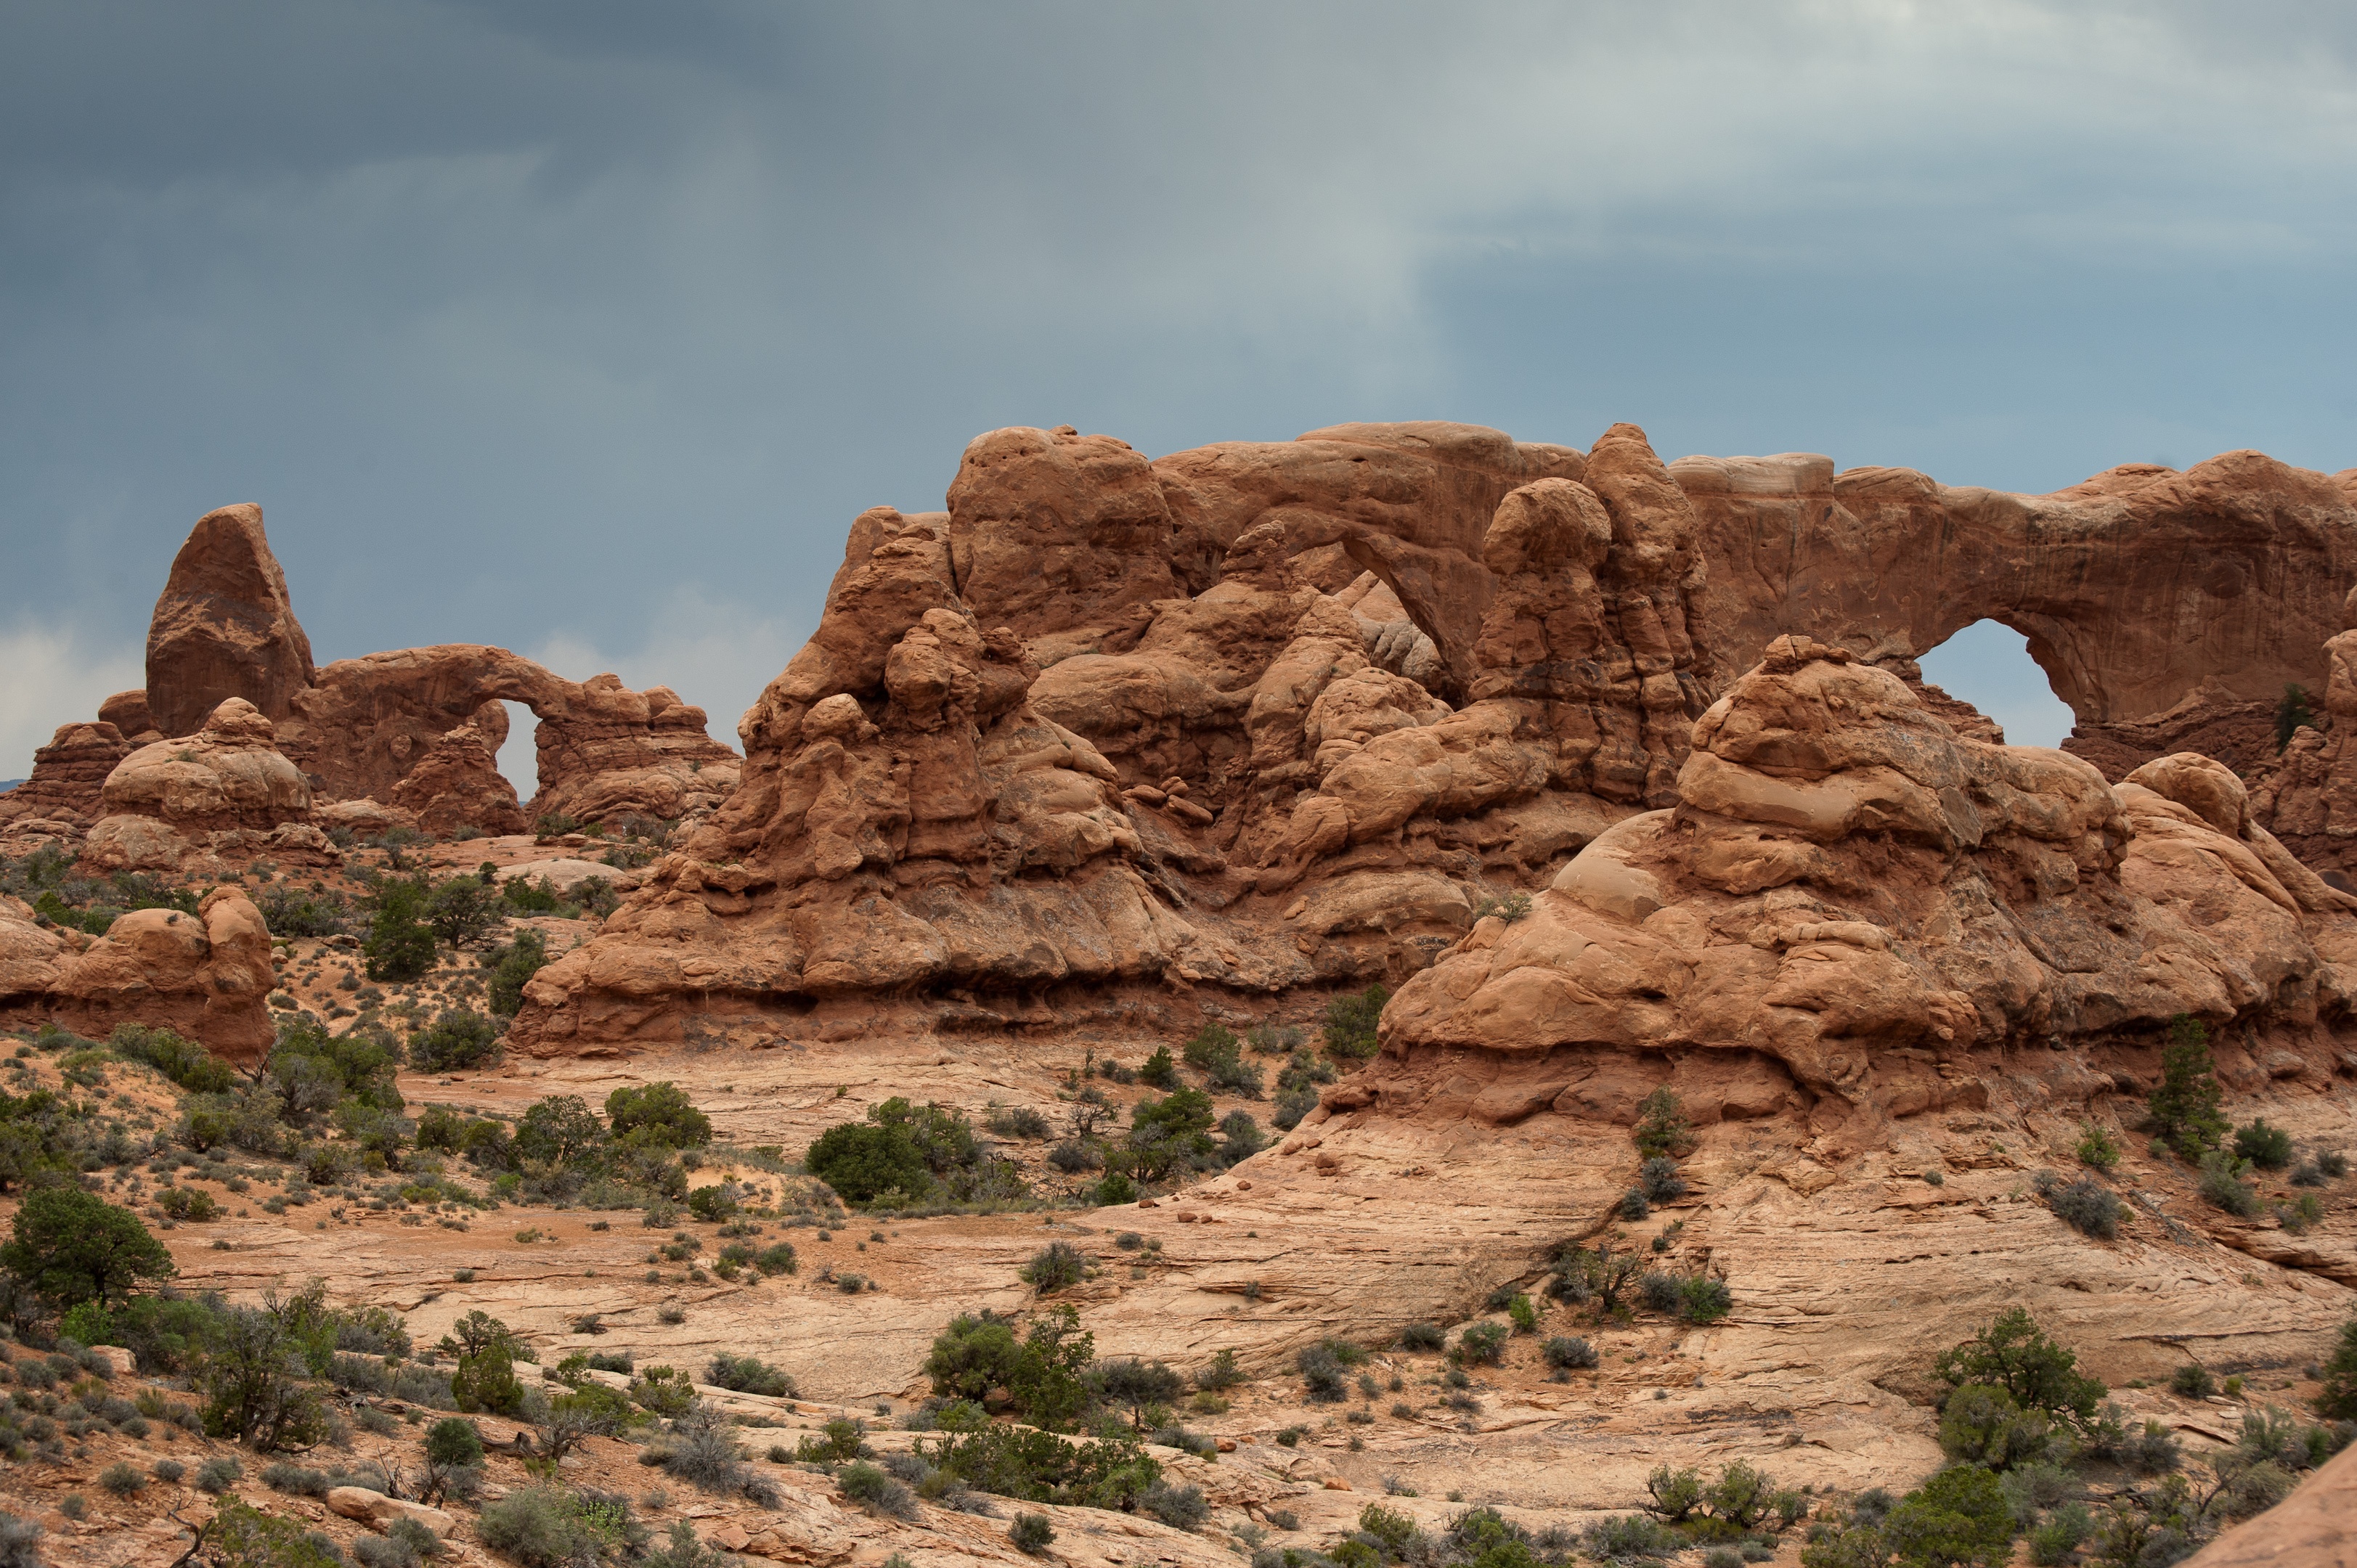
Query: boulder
point(207, 975)
point(380, 1512)
point(230, 774)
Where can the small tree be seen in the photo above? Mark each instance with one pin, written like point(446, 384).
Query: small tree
point(254, 1382)
point(1136, 1384)
point(2014, 1354)
point(2185, 1107)
point(461, 1037)
point(399, 945)
point(512, 967)
point(657, 1116)
point(460, 909)
point(72, 1246)
point(1663, 1130)
point(452, 1444)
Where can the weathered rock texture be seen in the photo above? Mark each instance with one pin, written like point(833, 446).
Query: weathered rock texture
point(1221, 751)
point(67, 776)
point(2133, 588)
point(1270, 715)
point(1851, 905)
point(224, 627)
point(207, 974)
point(205, 802)
point(368, 724)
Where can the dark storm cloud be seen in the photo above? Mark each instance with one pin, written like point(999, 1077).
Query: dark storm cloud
point(585, 327)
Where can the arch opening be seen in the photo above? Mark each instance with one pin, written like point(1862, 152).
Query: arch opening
point(519, 753)
point(1988, 665)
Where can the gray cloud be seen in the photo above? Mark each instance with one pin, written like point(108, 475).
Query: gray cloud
point(526, 321)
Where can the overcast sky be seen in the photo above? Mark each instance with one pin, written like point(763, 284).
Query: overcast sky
point(584, 326)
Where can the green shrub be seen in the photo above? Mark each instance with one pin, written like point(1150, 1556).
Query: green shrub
point(192, 1205)
point(242, 1536)
point(1702, 1299)
point(2220, 1184)
point(1982, 1424)
point(1569, 1353)
point(1422, 1336)
point(2087, 1206)
point(2267, 1147)
point(1482, 1344)
point(778, 1258)
point(458, 1040)
point(188, 1065)
point(1180, 1508)
point(400, 946)
point(2194, 1381)
point(656, 1115)
point(1658, 1177)
point(748, 1375)
point(1114, 1187)
point(1055, 1267)
point(1167, 1135)
point(218, 1475)
point(2097, 1147)
point(1159, 1070)
point(1663, 1130)
point(1032, 1534)
point(1351, 1023)
point(1525, 1316)
point(123, 1479)
point(903, 1153)
point(546, 1526)
point(877, 1492)
point(2293, 714)
point(2336, 1401)
point(1322, 1372)
point(1630, 1538)
point(513, 966)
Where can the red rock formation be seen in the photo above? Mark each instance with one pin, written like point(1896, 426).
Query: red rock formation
point(67, 776)
point(1853, 892)
point(226, 793)
point(228, 775)
point(604, 751)
point(127, 711)
point(205, 975)
point(224, 627)
point(2135, 589)
point(457, 783)
point(965, 784)
point(1123, 722)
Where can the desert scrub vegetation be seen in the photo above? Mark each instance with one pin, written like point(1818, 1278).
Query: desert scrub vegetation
point(2086, 1205)
point(904, 1157)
